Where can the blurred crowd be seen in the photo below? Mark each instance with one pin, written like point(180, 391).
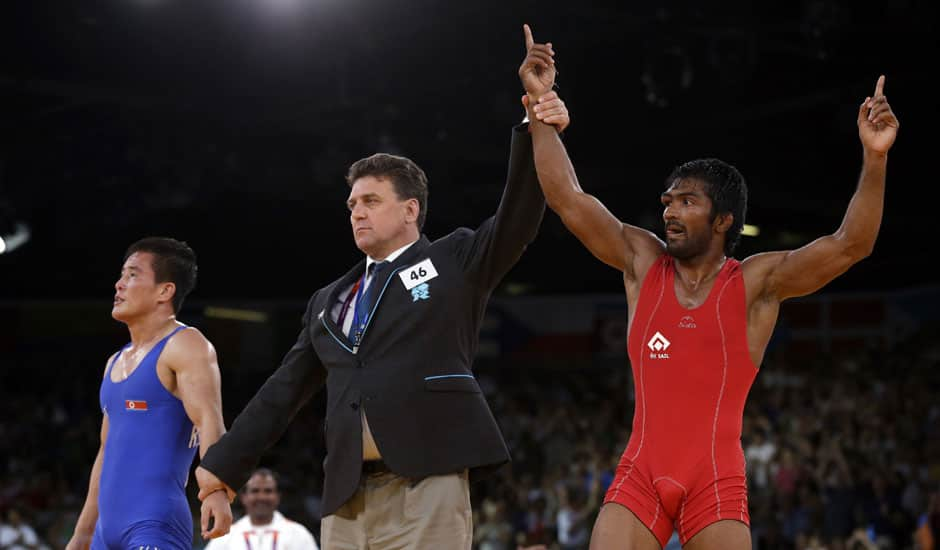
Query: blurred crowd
point(843, 450)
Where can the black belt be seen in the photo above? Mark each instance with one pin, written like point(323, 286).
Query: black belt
point(374, 467)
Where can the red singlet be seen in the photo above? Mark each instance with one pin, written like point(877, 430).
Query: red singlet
point(683, 468)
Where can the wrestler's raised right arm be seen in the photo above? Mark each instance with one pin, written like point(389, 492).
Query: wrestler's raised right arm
point(625, 247)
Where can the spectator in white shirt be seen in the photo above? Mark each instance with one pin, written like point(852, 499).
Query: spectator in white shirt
point(758, 454)
point(263, 527)
point(16, 534)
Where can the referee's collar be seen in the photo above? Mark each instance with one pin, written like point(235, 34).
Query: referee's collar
point(391, 257)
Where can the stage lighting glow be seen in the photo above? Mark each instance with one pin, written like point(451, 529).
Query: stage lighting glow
point(235, 314)
point(750, 230)
point(19, 237)
point(284, 6)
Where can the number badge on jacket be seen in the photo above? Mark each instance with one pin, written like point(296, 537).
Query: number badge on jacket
point(416, 277)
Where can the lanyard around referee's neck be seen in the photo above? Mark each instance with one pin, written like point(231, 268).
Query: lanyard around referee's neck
point(361, 313)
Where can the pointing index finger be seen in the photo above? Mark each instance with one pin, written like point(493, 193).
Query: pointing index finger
point(880, 86)
point(529, 41)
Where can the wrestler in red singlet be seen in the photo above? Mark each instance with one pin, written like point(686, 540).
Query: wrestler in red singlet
point(692, 373)
point(700, 325)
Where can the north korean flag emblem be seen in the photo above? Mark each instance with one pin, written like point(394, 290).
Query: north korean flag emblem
point(135, 405)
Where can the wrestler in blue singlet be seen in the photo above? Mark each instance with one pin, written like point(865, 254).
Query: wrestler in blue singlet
point(149, 449)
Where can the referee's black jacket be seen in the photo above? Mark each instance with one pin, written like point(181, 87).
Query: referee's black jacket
point(413, 370)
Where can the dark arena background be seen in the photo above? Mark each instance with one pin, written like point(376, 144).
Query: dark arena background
point(230, 125)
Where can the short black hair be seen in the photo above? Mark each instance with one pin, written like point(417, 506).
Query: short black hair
point(408, 179)
point(173, 261)
point(264, 472)
point(726, 188)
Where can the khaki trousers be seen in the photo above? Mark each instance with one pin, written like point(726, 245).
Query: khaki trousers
point(388, 512)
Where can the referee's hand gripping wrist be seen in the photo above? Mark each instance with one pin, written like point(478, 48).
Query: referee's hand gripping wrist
point(230, 494)
point(210, 483)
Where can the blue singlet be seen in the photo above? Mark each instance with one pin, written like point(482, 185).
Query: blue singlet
point(149, 449)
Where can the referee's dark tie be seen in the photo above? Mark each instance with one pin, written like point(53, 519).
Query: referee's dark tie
point(376, 282)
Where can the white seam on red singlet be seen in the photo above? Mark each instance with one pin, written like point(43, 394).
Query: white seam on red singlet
point(624, 478)
point(667, 478)
point(743, 500)
point(685, 495)
point(681, 515)
point(649, 321)
point(656, 514)
point(721, 393)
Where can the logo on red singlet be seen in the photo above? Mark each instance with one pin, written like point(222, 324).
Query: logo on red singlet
point(658, 345)
point(687, 322)
point(135, 405)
